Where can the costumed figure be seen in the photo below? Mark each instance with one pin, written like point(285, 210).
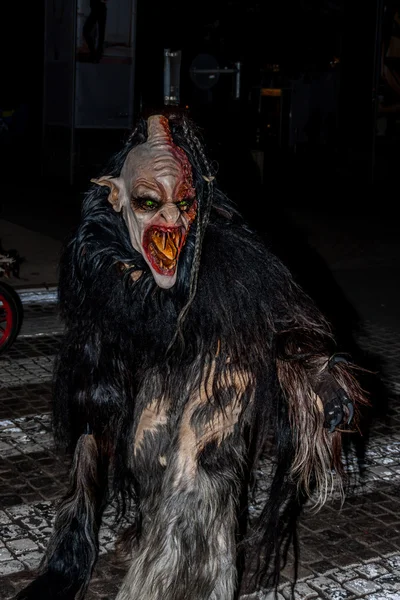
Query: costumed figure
point(188, 348)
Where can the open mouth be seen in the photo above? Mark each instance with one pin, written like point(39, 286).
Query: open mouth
point(162, 248)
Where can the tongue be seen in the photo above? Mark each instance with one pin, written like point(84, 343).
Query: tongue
point(165, 245)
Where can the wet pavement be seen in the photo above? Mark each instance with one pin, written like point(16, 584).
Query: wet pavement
point(348, 551)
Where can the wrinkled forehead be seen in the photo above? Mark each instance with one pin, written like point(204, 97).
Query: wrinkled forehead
point(158, 159)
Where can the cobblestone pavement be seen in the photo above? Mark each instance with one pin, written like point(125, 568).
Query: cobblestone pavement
point(347, 552)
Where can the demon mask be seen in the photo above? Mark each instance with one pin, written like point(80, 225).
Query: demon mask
point(156, 195)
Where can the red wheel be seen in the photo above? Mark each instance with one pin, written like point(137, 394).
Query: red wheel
point(11, 314)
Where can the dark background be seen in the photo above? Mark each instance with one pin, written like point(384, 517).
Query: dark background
point(345, 174)
point(299, 36)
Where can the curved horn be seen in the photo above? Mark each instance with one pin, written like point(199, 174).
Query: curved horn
point(158, 131)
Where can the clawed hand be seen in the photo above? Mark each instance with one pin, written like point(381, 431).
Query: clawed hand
point(338, 407)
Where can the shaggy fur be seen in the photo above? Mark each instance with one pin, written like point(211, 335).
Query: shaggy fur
point(175, 394)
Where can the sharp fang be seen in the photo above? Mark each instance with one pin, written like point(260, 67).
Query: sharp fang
point(164, 235)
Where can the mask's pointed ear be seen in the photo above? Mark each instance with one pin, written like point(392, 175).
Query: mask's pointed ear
point(116, 192)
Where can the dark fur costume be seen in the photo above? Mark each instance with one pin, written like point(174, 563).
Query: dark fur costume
point(177, 400)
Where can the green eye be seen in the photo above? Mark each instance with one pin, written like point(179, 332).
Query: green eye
point(146, 203)
point(183, 204)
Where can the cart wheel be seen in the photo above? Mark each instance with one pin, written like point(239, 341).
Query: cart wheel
point(11, 315)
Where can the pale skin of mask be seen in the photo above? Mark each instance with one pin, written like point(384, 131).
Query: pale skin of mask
point(157, 198)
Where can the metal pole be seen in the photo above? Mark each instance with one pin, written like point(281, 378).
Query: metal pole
point(167, 75)
point(237, 87)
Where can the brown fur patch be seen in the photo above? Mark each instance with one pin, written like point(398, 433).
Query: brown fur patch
point(153, 417)
point(135, 275)
point(221, 424)
point(318, 454)
point(319, 404)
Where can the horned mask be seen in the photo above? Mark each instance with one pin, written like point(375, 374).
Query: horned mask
point(157, 198)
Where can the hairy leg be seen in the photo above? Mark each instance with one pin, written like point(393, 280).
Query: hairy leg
point(73, 547)
point(187, 549)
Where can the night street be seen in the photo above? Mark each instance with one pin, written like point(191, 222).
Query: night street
point(347, 553)
point(141, 132)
